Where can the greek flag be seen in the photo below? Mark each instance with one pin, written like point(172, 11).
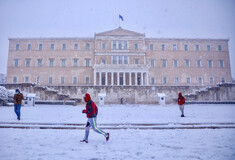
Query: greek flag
point(121, 17)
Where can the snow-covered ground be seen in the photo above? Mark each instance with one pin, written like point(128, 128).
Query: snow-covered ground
point(182, 144)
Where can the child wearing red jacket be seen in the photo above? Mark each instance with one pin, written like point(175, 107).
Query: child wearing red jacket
point(91, 111)
point(181, 101)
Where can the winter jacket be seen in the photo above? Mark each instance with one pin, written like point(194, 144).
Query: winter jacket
point(18, 98)
point(181, 99)
point(91, 109)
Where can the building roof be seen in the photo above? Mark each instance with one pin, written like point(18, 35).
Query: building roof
point(119, 32)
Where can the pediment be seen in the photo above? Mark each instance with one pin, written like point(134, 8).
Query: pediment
point(120, 32)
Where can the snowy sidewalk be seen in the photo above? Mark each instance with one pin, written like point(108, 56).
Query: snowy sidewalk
point(122, 117)
point(128, 144)
point(123, 114)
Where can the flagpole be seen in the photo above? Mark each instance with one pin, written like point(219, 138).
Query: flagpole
point(119, 21)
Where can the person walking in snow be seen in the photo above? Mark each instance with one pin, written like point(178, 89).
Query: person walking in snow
point(91, 111)
point(18, 97)
point(181, 101)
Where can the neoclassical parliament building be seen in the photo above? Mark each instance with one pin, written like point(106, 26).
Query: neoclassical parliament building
point(118, 57)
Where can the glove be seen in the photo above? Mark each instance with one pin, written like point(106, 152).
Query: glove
point(84, 111)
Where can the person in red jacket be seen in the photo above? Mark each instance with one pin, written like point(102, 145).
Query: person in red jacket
point(91, 111)
point(181, 101)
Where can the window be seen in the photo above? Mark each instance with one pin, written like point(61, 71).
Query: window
point(152, 80)
point(152, 63)
point(103, 46)
point(103, 61)
point(75, 46)
point(87, 62)
point(175, 62)
point(114, 45)
point(63, 46)
point(119, 59)
point(174, 47)
point(164, 80)
point(210, 63)
point(197, 47)
point(211, 80)
point(119, 44)
point(50, 80)
point(75, 62)
point(137, 61)
point(114, 59)
point(38, 79)
point(52, 47)
point(163, 47)
point(136, 46)
point(187, 63)
point(29, 47)
point(151, 47)
point(40, 47)
point(16, 63)
point(27, 62)
point(222, 79)
point(75, 80)
point(88, 46)
point(62, 79)
point(186, 47)
point(199, 63)
point(164, 63)
point(17, 47)
point(208, 47)
point(125, 44)
point(221, 63)
point(26, 79)
point(39, 62)
point(125, 59)
point(15, 80)
point(51, 62)
point(219, 47)
point(176, 80)
point(63, 62)
point(188, 80)
point(87, 80)
point(200, 80)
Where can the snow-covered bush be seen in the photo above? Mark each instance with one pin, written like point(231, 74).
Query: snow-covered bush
point(11, 94)
point(3, 95)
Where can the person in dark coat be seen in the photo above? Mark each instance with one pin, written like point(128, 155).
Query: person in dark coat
point(18, 97)
point(181, 101)
point(91, 111)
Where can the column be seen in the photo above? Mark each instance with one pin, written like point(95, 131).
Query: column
point(94, 78)
point(142, 78)
point(130, 78)
point(112, 78)
point(118, 79)
point(147, 78)
point(106, 78)
point(100, 77)
point(124, 78)
point(136, 78)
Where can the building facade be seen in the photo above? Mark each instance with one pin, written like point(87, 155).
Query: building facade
point(118, 57)
point(2, 78)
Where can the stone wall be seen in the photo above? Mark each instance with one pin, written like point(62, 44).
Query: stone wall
point(222, 92)
point(130, 94)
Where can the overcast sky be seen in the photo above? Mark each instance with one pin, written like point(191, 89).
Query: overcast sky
point(83, 18)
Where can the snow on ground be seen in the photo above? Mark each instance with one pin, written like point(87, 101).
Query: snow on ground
point(35, 144)
point(123, 114)
point(182, 144)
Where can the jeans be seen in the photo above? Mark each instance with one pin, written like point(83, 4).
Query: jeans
point(17, 110)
